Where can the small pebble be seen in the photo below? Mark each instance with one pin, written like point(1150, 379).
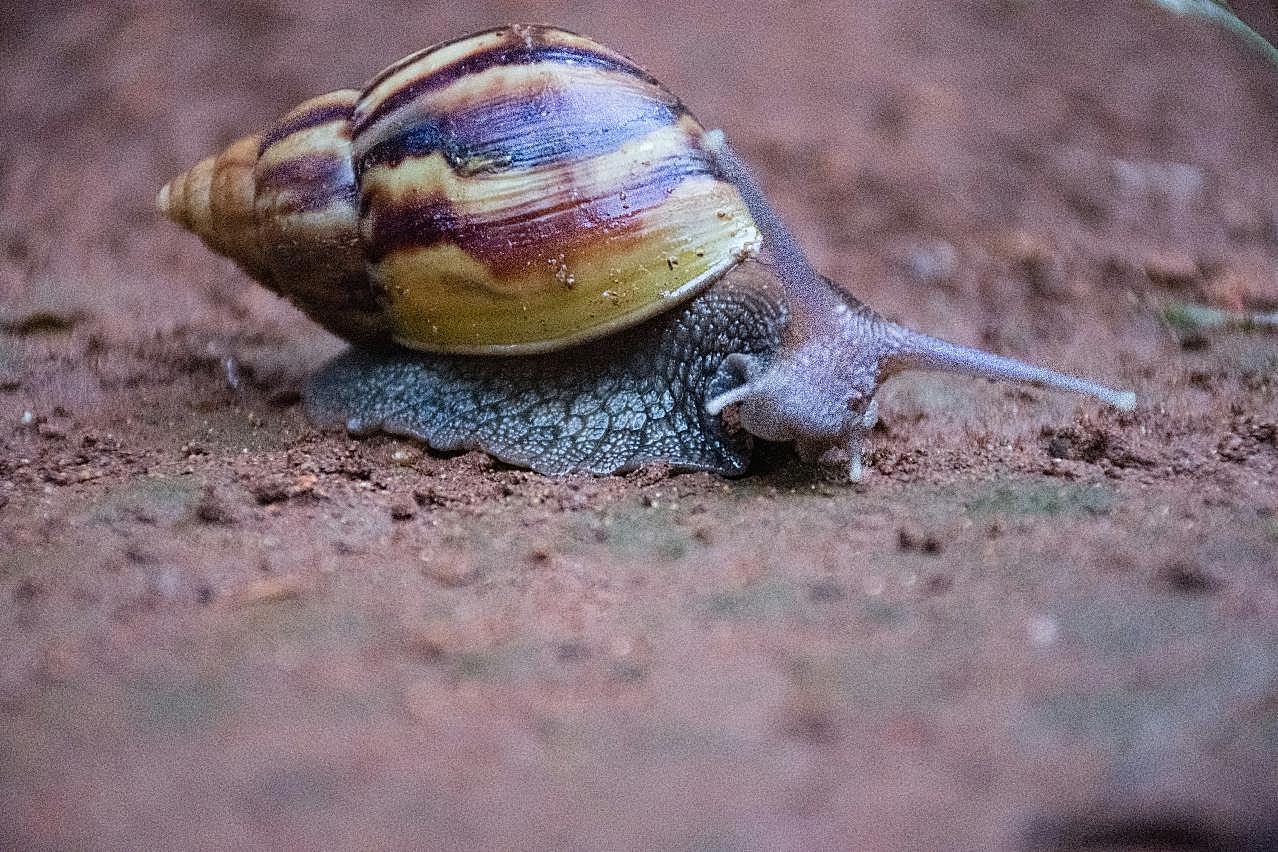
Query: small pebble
point(431, 496)
point(404, 456)
point(276, 489)
point(212, 510)
point(1043, 630)
point(403, 509)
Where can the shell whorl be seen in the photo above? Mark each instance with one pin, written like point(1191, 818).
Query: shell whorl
point(284, 206)
point(516, 190)
point(214, 200)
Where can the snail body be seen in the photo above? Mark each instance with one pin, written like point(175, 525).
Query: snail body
point(538, 252)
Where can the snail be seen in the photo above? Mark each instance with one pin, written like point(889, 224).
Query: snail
point(536, 251)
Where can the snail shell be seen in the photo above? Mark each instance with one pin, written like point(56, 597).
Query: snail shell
point(518, 190)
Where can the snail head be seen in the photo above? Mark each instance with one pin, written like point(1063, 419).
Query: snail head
point(817, 390)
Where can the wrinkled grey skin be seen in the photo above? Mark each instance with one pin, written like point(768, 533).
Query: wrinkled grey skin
point(602, 407)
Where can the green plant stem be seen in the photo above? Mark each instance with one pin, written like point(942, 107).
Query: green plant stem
point(1223, 15)
point(1188, 317)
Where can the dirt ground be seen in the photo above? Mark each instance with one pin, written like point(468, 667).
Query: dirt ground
point(1037, 624)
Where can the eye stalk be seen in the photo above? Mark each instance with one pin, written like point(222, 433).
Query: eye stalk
point(818, 388)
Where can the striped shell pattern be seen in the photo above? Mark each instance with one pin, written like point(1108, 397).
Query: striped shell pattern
point(516, 190)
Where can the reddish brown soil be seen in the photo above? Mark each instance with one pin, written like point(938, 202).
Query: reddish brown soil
point(1036, 624)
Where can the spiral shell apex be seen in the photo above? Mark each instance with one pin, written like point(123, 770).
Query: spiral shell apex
point(517, 190)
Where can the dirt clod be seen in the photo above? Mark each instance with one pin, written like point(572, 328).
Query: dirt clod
point(212, 509)
point(52, 431)
point(1248, 435)
point(1188, 577)
point(270, 590)
point(280, 488)
point(912, 538)
point(403, 509)
point(40, 322)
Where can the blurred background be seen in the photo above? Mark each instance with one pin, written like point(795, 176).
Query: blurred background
point(1041, 626)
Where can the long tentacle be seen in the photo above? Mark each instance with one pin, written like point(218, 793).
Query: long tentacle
point(905, 349)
